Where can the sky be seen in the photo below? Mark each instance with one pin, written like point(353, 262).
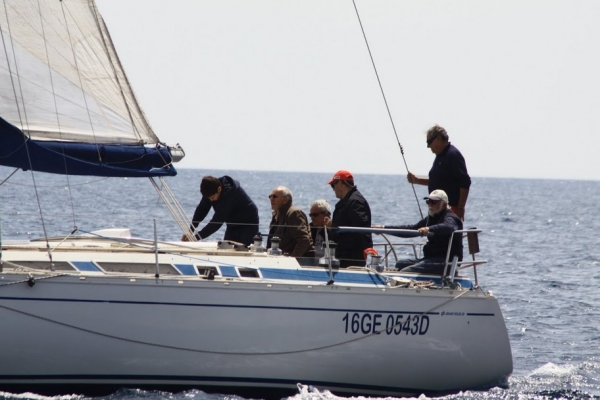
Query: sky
point(288, 85)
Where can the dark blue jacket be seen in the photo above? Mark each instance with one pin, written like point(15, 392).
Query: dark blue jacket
point(233, 207)
point(449, 173)
point(352, 210)
point(441, 225)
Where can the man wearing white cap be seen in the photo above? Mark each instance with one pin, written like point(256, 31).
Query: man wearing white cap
point(441, 222)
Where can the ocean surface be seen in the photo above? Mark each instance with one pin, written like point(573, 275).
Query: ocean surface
point(541, 239)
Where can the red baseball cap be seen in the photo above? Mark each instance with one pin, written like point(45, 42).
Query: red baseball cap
point(341, 175)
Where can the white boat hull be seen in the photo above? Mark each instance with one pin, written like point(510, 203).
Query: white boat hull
point(119, 332)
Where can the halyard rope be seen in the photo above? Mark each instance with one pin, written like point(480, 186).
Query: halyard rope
point(386, 103)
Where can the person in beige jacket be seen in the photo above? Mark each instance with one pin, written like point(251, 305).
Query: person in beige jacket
point(290, 224)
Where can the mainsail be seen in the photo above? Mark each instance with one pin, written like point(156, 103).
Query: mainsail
point(66, 105)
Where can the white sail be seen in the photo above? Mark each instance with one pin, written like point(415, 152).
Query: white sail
point(60, 77)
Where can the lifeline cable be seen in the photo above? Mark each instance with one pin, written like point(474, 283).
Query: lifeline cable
point(386, 104)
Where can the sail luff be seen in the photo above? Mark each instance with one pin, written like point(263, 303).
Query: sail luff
point(116, 61)
point(113, 71)
point(83, 59)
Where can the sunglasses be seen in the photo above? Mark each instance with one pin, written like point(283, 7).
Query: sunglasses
point(430, 140)
point(273, 196)
point(432, 201)
point(312, 215)
point(332, 184)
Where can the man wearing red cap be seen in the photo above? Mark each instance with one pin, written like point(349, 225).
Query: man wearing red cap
point(351, 210)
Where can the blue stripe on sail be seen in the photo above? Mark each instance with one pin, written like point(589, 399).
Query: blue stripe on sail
point(82, 158)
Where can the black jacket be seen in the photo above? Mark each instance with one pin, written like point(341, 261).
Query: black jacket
point(233, 207)
point(441, 226)
point(449, 173)
point(352, 210)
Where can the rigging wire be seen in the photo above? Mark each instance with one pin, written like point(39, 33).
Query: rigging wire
point(57, 116)
point(116, 66)
point(106, 41)
point(80, 81)
point(24, 127)
point(386, 103)
point(8, 177)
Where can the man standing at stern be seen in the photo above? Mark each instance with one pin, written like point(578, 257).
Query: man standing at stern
point(448, 173)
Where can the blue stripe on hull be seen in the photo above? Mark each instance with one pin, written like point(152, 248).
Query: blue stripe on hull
point(322, 309)
point(304, 274)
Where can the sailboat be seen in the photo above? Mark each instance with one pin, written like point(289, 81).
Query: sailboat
point(90, 313)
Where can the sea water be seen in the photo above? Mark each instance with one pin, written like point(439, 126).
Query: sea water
point(540, 239)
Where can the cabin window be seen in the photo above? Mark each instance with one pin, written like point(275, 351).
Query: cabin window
point(47, 265)
point(248, 273)
point(207, 271)
point(138, 268)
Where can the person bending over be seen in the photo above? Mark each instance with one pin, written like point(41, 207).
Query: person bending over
point(232, 206)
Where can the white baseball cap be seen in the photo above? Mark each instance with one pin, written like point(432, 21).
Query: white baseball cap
point(437, 194)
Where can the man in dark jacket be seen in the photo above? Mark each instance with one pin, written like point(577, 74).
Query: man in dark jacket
point(448, 173)
point(442, 223)
point(351, 210)
point(231, 205)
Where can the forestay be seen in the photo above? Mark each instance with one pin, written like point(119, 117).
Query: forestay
point(64, 92)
